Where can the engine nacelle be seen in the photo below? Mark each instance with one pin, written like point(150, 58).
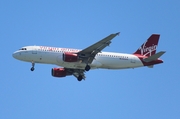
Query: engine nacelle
point(58, 72)
point(69, 57)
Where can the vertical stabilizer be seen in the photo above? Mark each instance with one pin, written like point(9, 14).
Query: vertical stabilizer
point(149, 47)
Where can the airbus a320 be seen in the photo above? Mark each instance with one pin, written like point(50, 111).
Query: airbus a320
point(76, 62)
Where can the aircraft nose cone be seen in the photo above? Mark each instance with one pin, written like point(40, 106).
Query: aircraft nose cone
point(15, 55)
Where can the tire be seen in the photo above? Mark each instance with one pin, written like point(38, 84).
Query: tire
point(32, 69)
point(87, 68)
point(80, 78)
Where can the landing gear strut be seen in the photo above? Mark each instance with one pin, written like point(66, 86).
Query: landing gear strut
point(87, 68)
point(79, 78)
point(32, 68)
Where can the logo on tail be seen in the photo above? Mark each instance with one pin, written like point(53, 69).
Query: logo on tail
point(149, 47)
point(147, 50)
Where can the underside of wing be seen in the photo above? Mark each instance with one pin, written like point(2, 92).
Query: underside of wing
point(78, 73)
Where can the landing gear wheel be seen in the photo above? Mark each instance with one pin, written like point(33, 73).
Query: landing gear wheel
point(80, 78)
point(32, 69)
point(33, 64)
point(87, 68)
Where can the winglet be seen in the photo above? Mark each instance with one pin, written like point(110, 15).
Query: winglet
point(118, 33)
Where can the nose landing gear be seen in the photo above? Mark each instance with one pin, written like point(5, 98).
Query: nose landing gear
point(32, 68)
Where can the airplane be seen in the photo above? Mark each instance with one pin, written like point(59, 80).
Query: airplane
point(77, 62)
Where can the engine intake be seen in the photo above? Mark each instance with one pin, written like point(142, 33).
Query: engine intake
point(69, 57)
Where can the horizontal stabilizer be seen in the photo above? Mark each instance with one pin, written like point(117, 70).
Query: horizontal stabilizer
point(154, 57)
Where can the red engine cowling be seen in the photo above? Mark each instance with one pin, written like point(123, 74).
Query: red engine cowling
point(58, 72)
point(69, 57)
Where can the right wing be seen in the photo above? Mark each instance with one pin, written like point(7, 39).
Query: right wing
point(87, 55)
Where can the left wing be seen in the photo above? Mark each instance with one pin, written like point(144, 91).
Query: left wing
point(87, 55)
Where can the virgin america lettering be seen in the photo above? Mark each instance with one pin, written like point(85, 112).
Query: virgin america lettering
point(58, 49)
point(147, 50)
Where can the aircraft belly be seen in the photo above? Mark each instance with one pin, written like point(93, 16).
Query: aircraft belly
point(110, 63)
point(73, 65)
point(117, 63)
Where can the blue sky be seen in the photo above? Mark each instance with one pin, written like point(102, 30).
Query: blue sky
point(141, 93)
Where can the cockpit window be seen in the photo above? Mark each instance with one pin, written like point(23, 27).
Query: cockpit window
point(23, 49)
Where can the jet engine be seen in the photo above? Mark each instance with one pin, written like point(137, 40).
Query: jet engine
point(59, 72)
point(69, 57)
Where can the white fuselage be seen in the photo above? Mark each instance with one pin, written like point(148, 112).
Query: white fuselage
point(53, 55)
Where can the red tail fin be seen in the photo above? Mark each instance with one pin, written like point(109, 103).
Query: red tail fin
point(149, 47)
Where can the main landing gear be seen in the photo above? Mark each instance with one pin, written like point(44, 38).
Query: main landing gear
point(87, 68)
point(79, 78)
point(32, 68)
